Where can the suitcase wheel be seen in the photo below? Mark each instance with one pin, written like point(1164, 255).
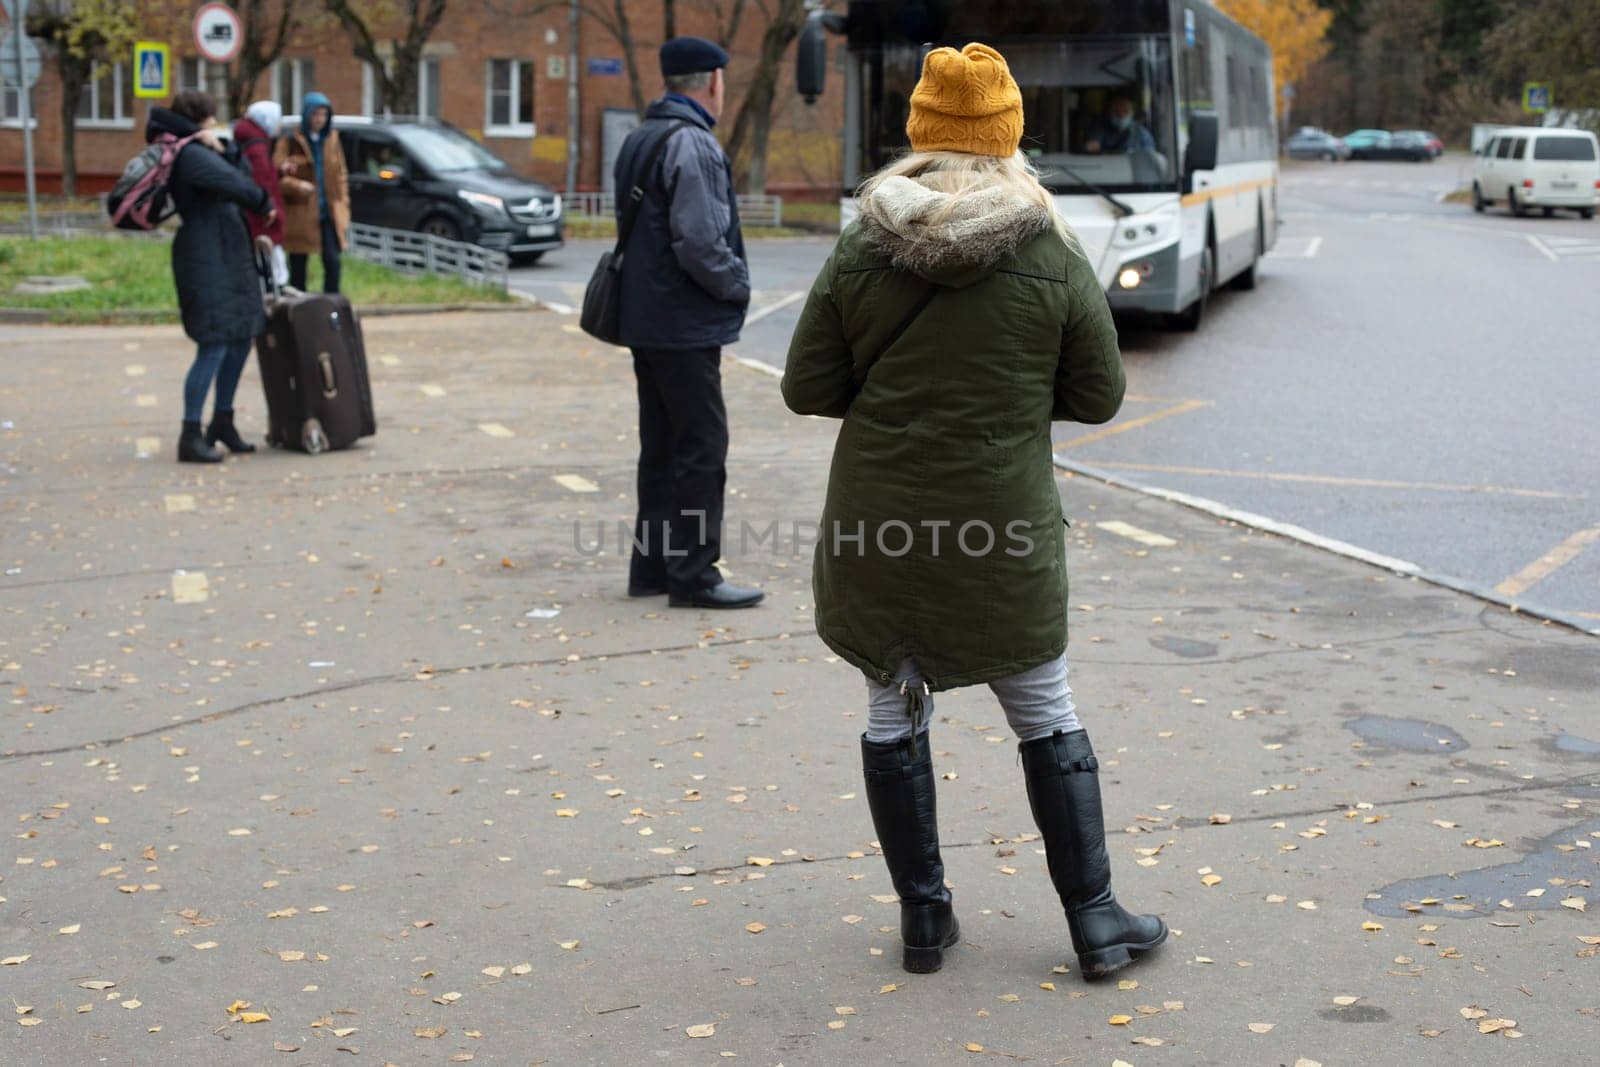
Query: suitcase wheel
point(312, 439)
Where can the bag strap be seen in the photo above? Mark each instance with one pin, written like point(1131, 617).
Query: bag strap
point(630, 210)
point(905, 324)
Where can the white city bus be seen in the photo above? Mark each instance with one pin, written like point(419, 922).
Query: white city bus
point(1169, 206)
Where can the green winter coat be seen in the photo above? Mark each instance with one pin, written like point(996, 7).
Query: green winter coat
point(950, 430)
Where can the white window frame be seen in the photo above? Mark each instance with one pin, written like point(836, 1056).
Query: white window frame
point(296, 68)
point(213, 81)
point(121, 119)
point(11, 117)
point(511, 129)
point(369, 88)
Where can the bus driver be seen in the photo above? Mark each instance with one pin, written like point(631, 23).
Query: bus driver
point(1119, 133)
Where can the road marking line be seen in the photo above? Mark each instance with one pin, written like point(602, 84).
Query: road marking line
point(431, 390)
point(495, 429)
point(1134, 424)
point(1549, 563)
point(577, 483)
point(1311, 250)
point(775, 306)
point(177, 502)
point(757, 365)
point(1333, 479)
point(1134, 533)
point(190, 587)
point(1542, 247)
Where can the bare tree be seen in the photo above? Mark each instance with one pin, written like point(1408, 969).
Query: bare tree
point(615, 22)
point(396, 81)
point(669, 19)
point(747, 145)
point(263, 45)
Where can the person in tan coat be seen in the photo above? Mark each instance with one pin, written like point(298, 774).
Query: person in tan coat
point(316, 193)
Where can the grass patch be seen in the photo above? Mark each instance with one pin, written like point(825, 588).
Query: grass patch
point(818, 218)
point(14, 206)
point(133, 276)
point(1460, 196)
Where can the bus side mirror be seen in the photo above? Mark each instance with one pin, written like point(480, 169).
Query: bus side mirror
point(1202, 153)
point(811, 58)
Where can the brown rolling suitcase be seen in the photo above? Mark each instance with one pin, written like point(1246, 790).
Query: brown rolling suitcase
point(314, 370)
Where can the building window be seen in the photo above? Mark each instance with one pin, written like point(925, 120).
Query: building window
point(292, 79)
point(210, 78)
point(11, 109)
point(107, 96)
point(509, 98)
point(374, 106)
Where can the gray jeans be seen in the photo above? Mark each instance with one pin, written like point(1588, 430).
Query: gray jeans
point(1037, 702)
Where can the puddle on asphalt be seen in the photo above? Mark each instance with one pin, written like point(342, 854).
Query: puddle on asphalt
point(1580, 745)
point(1185, 647)
point(1408, 735)
point(1476, 894)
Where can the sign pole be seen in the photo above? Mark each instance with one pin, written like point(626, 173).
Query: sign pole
point(19, 13)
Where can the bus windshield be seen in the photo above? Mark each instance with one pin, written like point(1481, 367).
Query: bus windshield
point(1098, 106)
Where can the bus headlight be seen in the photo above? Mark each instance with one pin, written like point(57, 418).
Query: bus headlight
point(1130, 278)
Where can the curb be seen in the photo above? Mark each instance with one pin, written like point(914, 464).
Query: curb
point(1401, 567)
point(162, 316)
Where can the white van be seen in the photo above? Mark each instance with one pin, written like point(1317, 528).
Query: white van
point(1528, 167)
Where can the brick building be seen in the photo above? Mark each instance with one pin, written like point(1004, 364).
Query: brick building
point(495, 68)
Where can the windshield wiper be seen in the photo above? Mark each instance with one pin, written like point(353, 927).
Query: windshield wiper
point(1122, 209)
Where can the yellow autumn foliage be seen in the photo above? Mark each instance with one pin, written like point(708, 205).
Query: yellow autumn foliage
point(1296, 31)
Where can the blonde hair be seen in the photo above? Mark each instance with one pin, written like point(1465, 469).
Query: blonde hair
point(961, 173)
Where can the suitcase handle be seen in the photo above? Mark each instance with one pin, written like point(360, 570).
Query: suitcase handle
point(330, 384)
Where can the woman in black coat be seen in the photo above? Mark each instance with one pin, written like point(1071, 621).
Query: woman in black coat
point(219, 292)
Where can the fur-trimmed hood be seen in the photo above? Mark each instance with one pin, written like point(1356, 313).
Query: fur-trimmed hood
point(949, 239)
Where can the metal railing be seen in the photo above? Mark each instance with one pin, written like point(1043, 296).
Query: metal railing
point(423, 253)
point(754, 209)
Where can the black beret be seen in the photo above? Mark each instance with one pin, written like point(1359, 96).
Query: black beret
point(690, 55)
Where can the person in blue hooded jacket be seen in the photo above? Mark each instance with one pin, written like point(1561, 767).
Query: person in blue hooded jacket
point(316, 193)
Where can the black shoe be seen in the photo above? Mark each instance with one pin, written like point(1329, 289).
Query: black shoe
point(902, 797)
point(1064, 792)
point(642, 589)
point(721, 595)
point(222, 429)
point(192, 447)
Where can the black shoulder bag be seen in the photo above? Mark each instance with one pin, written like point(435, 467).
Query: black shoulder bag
point(602, 300)
point(860, 375)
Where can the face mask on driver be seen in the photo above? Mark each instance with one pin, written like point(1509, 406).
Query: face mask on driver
point(1121, 122)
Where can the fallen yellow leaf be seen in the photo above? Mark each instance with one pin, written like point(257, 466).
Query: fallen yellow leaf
point(1120, 1020)
point(254, 1017)
point(1261, 1028)
point(701, 1030)
point(1371, 927)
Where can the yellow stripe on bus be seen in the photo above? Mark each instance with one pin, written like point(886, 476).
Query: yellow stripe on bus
point(1203, 195)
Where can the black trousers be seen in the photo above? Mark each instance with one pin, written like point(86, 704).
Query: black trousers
point(330, 262)
point(683, 452)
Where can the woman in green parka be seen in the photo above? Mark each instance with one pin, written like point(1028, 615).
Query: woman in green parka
point(956, 318)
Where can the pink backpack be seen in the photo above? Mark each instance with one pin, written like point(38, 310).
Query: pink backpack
point(142, 198)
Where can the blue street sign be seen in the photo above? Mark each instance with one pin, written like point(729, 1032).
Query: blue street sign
point(605, 68)
point(1188, 27)
point(1536, 98)
point(152, 70)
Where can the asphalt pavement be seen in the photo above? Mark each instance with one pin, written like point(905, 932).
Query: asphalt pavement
point(1409, 379)
point(367, 758)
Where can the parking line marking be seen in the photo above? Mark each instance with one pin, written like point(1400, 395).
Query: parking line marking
point(758, 366)
point(775, 306)
point(577, 483)
point(1134, 533)
point(1549, 563)
point(1311, 249)
point(1133, 424)
point(495, 429)
point(1334, 479)
point(432, 391)
point(1543, 248)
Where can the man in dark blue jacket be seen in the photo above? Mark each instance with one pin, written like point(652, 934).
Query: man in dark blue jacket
point(685, 288)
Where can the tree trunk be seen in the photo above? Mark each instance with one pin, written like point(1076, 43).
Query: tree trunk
point(624, 35)
point(74, 74)
point(669, 19)
point(260, 50)
point(747, 145)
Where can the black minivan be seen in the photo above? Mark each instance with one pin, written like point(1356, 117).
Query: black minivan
point(420, 174)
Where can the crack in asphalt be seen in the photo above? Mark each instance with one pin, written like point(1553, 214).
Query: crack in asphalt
point(380, 679)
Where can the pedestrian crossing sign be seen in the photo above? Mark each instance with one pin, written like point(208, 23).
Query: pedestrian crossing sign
point(152, 67)
point(1536, 98)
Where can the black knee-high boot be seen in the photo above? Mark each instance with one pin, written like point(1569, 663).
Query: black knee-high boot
point(901, 794)
point(1064, 792)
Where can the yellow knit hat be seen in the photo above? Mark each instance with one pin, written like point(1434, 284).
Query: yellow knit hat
point(966, 101)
